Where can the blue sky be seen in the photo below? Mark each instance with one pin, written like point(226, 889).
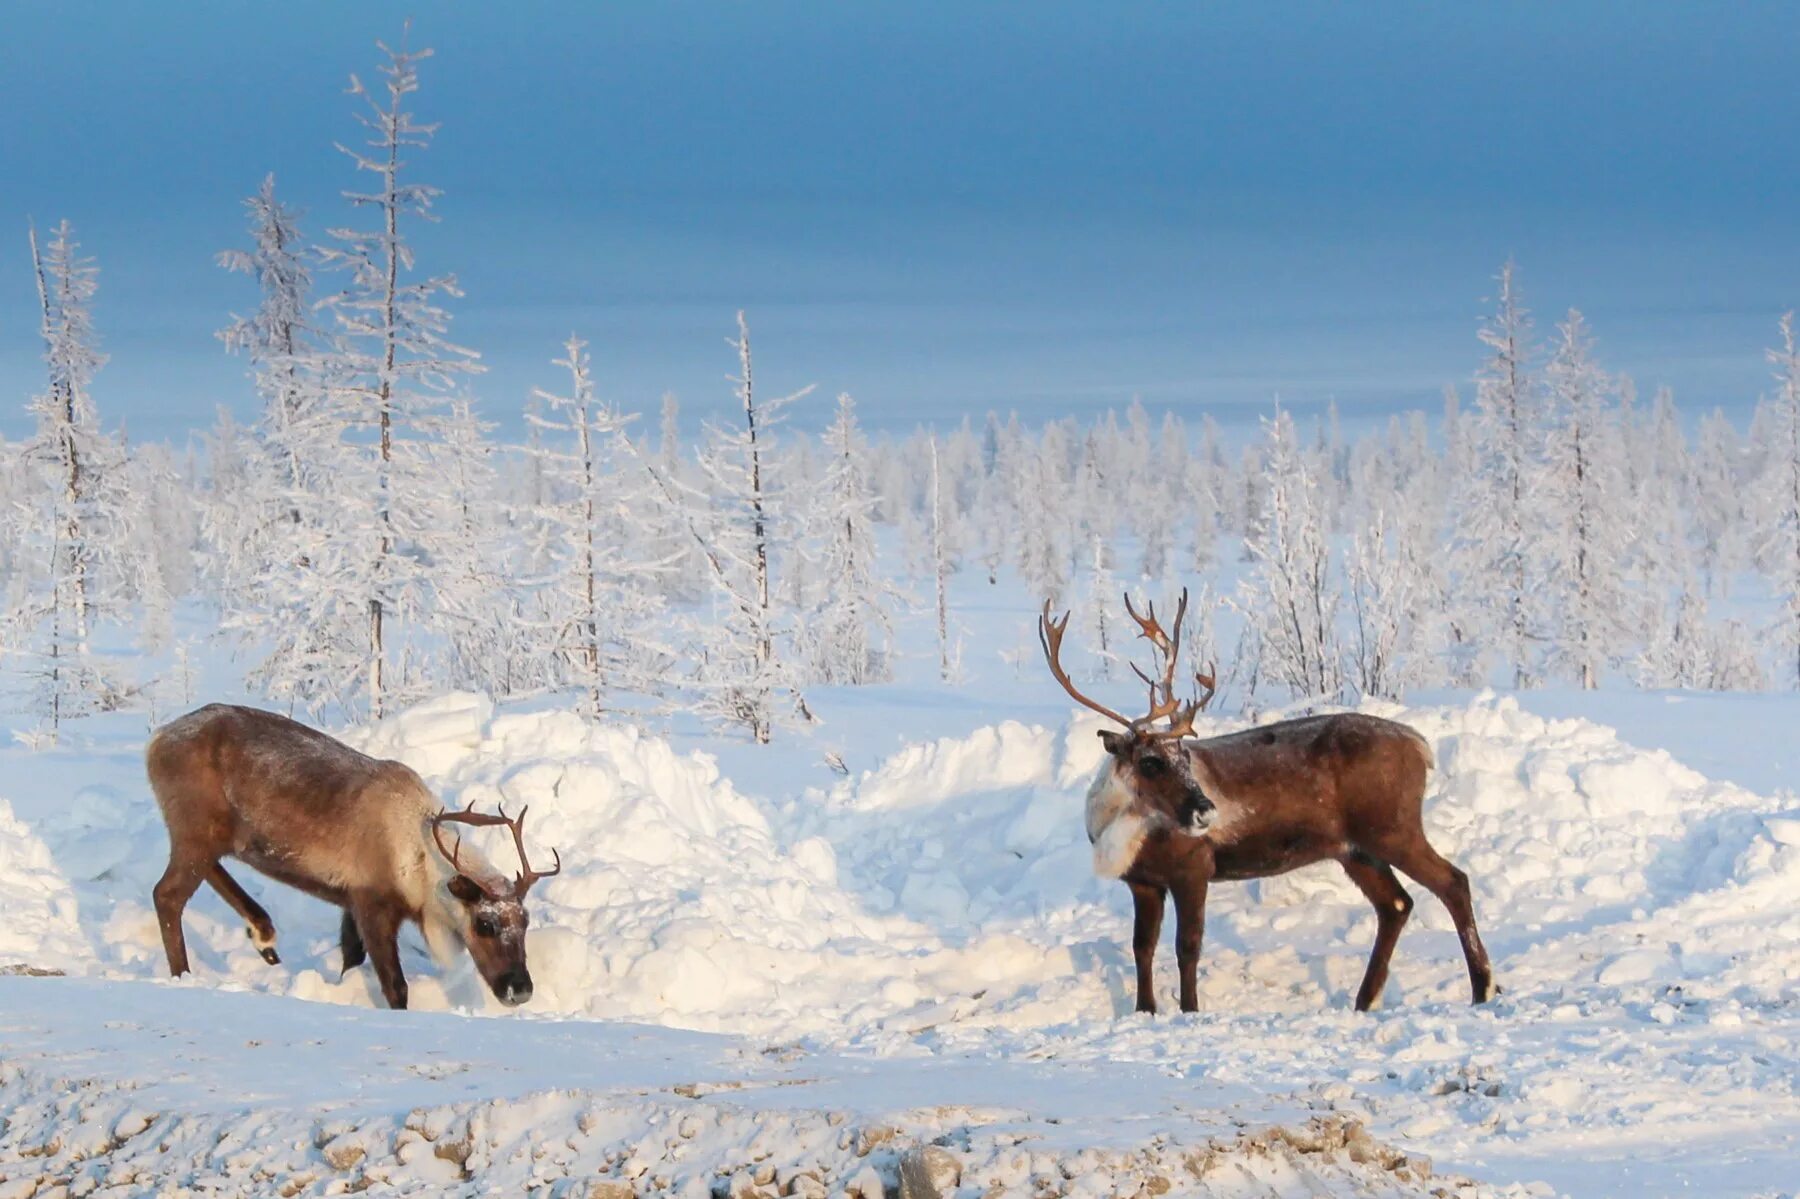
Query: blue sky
point(942, 207)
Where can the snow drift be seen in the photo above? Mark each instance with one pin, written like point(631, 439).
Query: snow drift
point(1644, 922)
point(952, 883)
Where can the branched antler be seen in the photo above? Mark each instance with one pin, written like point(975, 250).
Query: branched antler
point(527, 876)
point(1163, 704)
point(1167, 648)
point(1050, 635)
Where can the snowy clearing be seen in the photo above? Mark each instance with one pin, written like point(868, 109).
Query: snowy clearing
point(923, 945)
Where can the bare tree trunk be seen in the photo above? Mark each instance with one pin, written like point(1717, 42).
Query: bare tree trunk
point(590, 649)
point(938, 563)
point(74, 555)
point(384, 398)
point(765, 645)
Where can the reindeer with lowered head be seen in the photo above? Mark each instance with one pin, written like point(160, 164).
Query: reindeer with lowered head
point(355, 831)
point(1169, 815)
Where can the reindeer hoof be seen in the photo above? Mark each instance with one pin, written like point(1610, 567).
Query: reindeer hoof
point(270, 956)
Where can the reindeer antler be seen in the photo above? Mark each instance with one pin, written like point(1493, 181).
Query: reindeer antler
point(1168, 648)
point(1050, 635)
point(1163, 704)
point(522, 882)
point(529, 876)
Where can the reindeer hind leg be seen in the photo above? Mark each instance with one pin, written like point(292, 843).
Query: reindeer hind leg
point(1433, 872)
point(171, 895)
point(1392, 907)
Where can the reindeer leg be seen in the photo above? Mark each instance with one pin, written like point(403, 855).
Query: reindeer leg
point(1145, 929)
point(378, 923)
point(1190, 932)
point(1424, 864)
point(172, 892)
point(261, 928)
point(1392, 906)
point(351, 943)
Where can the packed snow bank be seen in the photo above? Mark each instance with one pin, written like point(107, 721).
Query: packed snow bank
point(1644, 923)
point(41, 929)
point(952, 883)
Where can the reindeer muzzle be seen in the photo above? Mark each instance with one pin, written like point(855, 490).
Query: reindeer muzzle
point(1198, 813)
point(513, 989)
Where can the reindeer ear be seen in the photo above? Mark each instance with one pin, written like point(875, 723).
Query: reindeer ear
point(465, 888)
point(1111, 741)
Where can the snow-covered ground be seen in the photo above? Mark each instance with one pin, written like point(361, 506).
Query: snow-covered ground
point(751, 961)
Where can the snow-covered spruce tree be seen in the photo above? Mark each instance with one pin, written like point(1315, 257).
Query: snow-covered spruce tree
point(74, 526)
point(253, 520)
point(1092, 512)
point(1203, 480)
point(736, 522)
point(1718, 507)
point(1778, 500)
point(1494, 503)
point(601, 606)
point(1037, 520)
point(1585, 513)
point(391, 376)
point(1661, 561)
point(949, 663)
point(1289, 596)
point(1679, 651)
point(1148, 489)
point(1386, 583)
point(279, 336)
point(1736, 665)
point(851, 628)
point(475, 610)
point(1101, 629)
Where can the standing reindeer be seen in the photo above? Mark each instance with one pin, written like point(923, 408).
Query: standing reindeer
point(1169, 816)
point(361, 833)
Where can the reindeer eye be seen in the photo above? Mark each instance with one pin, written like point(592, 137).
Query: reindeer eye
point(1151, 767)
point(485, 927)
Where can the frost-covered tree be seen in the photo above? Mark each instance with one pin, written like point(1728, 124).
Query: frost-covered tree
point(265, 487)
point(392, 375)
point(75, 528)
point(1290, 596)
point(1718, 515)
point(279, 336)
point(851, 627)
point(1386, 583)
point(948, 662)
point(1661, 558)
point(1102, 633)
point(738, 528)
point(1494, 504)
point(370, 462)
point(1205, 482)
point(1779, 499)
point(475, 608)
point(1039, 523)
point(1585, 512)
point(1679, 652)
point(601, 604)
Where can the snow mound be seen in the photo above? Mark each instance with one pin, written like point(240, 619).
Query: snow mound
point(1644, 922)
point(950, 885)
point(42, 928)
